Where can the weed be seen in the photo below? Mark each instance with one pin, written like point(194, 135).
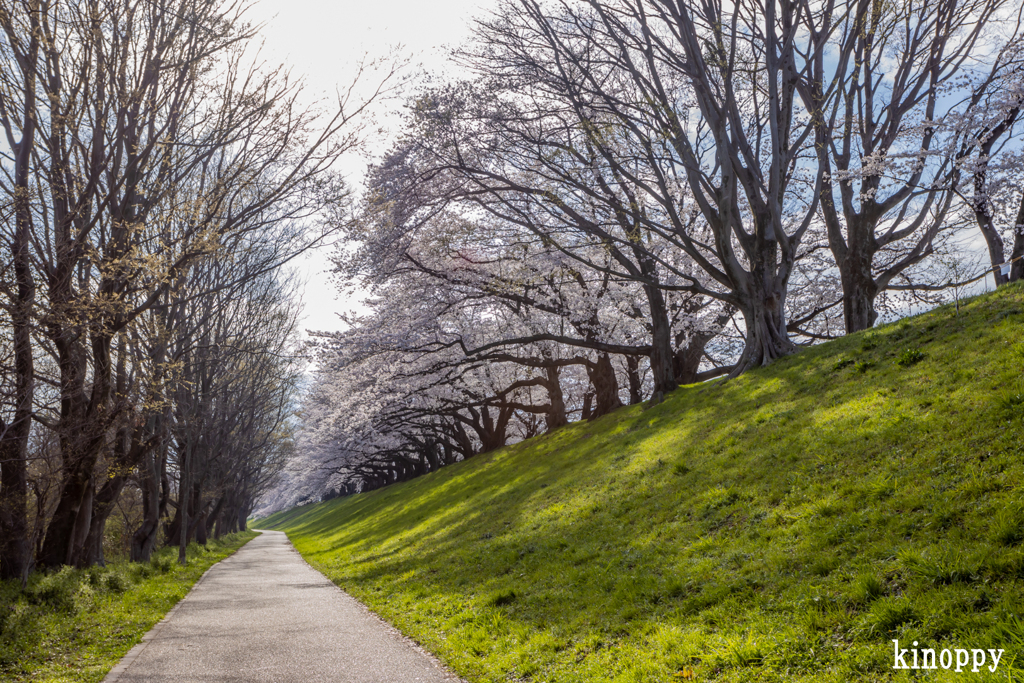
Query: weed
point(501, 598)
point(162, 563)
point(1011, 401)
point(909, 356)
point(866, 588)
point(56, 590)
point(116, 583)
point(823, 566)
point(887, 614)
point(1008, 526)
point(843, 363)
point(952, 567)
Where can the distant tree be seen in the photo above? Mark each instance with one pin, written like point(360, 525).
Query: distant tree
point(879, 97)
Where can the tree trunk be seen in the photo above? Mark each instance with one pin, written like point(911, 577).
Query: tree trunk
point(62, 538)
point(15, 551)
point(144, 538)
point(200, 529)
point(588, 402)
point(184, 488)
point(555, 417)
point(82, 432)
point(635, 385)
point(993, 239)
point(82, 525)
point(661, 342)
point(1017, 253)
point(213, 517)
point(15, 556)
point(688, 358)
point(606, 386)
point(103, 505)
point(859, 291)
point(766, 335)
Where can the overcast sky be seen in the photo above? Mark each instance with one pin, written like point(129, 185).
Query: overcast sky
point(323, 42)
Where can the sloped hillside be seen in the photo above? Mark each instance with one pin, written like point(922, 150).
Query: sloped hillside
point(784, 526)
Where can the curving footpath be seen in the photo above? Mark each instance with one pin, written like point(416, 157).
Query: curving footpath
point(263, 614)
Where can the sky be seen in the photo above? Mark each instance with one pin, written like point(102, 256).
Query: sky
point(323, 42)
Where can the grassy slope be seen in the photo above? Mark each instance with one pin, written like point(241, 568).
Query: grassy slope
point(76, 625)
point(784, 526)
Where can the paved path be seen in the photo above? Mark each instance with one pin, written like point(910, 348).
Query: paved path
point(263, 614)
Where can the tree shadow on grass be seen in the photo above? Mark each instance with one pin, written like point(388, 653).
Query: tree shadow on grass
point(656, 539)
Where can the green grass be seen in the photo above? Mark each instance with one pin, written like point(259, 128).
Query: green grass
point(783, 526)
point(77, 624)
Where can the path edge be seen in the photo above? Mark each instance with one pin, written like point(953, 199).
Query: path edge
point(152, 633)
point(387, 625)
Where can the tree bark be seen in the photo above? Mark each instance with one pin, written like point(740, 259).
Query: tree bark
point(144, 538)
point(661, 342)
point(555, 416)
point(15, 551)
point(633, 376)
point(860, 289)
point(588, 403)
point(104, 502)
point(1017, 252)
point(688, 358)
point(606, 386)
point(766, 335)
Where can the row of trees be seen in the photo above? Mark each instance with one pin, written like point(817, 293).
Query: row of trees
point(628, 195)
point(154, 179)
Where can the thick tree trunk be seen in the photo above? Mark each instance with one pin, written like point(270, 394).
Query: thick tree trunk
point(661, 342)
point(853, 251)
point(213, 517)
point(82, 433)
point(62, 542)
point(994, 241)
point(103, 505)
point(606, 386)
point(555, 417)
point(766, 335)
point(1017, 255)
point(15, 555)
point(492, 432)
point(688, 358)
point(859, 292)
point(82, 525)
point(221, 523)
point(433, 454)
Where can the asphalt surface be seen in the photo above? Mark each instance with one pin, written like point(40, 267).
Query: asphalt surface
point(263, 614)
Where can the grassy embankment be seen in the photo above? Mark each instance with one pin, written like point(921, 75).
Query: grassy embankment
point(77, 624)
point(784, 526)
